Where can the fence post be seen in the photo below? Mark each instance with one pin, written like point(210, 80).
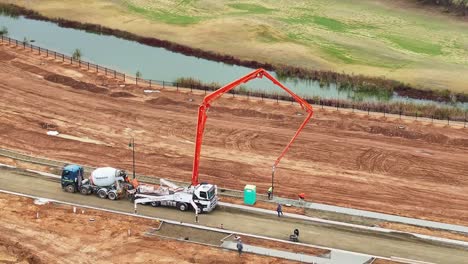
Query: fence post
point(105, 71)
point(124, 77)
point(24, 44)
point(177, 86)
point(448, 120)
point(191, 87)
point(88, 66)
point(55, 55)
point(63, 58)
point(400, 113)
point(277, 98)
point(115, 74)
point(416, 115)
point(464, 123)
point(203, 88)
point(150, 83)
point(71, 60)
point(97, 68)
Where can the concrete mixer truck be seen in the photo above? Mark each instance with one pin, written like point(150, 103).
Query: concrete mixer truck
point(105, 182)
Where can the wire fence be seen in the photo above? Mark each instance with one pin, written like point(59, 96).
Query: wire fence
point(401, 109)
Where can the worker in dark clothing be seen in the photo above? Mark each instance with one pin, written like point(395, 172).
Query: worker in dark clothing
point(279, 209)
point(240, 247)
point(295, 236)
point(270, 192)
point(296, 232)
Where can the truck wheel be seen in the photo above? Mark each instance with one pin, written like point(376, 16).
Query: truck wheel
point(84, 191)
point(182, 206)
point(155, 204)
point(70, 188)
point(112, 196)
point(102, 194)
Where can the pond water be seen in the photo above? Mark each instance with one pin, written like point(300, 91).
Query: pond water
point(160, 64)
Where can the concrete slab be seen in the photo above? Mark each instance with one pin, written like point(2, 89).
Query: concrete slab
point(334, 258)
point(375, 215)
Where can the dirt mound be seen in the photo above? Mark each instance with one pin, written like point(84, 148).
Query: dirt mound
point(401, 131)
point(122, 94)
point(67, 81)
point(4, 56)
point(46, 125)
point(162, 100)
point(19, 251)
point(247, 113)
point(30, 68)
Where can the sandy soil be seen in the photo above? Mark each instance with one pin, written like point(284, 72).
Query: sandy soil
point(380, 164)
point(60, 236)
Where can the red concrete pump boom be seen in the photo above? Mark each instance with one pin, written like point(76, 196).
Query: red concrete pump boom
point(259, 73)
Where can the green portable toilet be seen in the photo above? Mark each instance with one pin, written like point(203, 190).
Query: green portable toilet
point(250, 194)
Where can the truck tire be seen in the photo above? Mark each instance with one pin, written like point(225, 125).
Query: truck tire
point(70, 188)
point(84, 191)
point(156, 204)
point(112, 196)
point(200, 208)
point(102, 194)
point(182, 206)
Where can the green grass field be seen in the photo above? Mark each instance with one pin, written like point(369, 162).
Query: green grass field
point(389, 38)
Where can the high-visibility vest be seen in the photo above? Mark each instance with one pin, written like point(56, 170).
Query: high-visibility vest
point(270, 189)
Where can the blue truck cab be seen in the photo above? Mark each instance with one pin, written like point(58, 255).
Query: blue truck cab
point(72, 177)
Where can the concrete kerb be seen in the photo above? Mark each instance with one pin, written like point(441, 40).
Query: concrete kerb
point(348, 225)
point(225, 231)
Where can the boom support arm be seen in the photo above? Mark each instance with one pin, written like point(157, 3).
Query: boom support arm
point(205, 105)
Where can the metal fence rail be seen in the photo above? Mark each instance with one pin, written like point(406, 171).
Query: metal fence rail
point(383, 108)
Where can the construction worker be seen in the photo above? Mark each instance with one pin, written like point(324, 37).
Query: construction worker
point(279, 210)
point(270, 192)
point(240, 247)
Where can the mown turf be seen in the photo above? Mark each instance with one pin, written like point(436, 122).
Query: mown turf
point(416, 45)
point(252, 8)
point(163, 16)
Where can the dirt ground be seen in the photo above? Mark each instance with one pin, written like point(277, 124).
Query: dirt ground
point(60, 236)
point(381, 164)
